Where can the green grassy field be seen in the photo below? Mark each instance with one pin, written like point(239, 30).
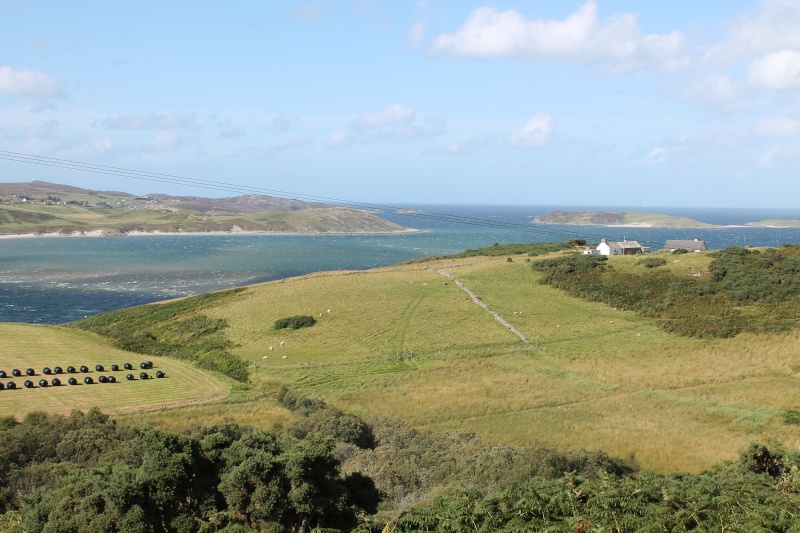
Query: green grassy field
point(25, 346)
point(406, 342)
point(592, 377)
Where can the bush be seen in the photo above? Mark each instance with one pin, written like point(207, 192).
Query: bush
point(680, 251)
point(295, 322)
point(653, 262)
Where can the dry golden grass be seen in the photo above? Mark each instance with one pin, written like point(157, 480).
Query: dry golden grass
point(593, 377)
point(27, 346)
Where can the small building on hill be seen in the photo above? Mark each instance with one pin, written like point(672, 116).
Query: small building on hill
point(624, 247)
point(695, 245)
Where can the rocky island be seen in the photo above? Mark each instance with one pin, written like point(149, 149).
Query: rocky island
point(637, 219)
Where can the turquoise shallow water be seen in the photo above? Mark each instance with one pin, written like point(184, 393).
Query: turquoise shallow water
point(56, 280)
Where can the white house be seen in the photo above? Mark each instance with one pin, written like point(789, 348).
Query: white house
point(624, 247)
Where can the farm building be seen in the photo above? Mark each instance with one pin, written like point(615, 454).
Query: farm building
point(695, 245)
point(624, 247)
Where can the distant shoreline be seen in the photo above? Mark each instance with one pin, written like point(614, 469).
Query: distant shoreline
point(100, 233)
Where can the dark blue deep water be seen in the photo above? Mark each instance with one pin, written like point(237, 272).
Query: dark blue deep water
point(56, 280)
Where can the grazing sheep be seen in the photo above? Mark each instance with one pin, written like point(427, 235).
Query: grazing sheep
point(270, 348)
point(283, 342)
point(515, 312)
point(284, 357)
point(612, 322)
point(265, 357)
point(320, 315)
point(558, 326)
point(329, 310)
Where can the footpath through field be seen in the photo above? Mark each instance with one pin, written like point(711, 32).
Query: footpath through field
point(478, 301)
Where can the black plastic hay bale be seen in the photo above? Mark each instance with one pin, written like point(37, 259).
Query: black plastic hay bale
point(71, 369)
point(128, 366)
point(2, 386)
point(99, 368)
point(88, 380)
point(11, 385)
point(102, 379)
point(143, 375)
point(115, 368)
point(159, 374)
point(112, 379)
point(84, 369)
point(30, 372)
point(3, 374)
point(16, 373)
point(46, 371)
point(57, 370)
point(149, 364)
point(130, 377)
point(143, 365)
point(72, 381)
point(55, 382)
point(43, 383)
point(28, 384)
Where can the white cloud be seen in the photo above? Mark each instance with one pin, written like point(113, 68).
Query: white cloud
point(770, 27)
point(151, 122)
point(393, 115)
point(537, 132)
point(779, 71)
point(340, 138)
point(33, 84)
point(167, 140)
point(309, 12)
point(398, 123)
point(460, 147)
point(416, 34)
point(615, 43)
point(777, 127)
point(713, 90)
point(47, 130)
point(280, 123)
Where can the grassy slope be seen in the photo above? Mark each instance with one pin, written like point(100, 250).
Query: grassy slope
point(600, 379)
point(593, 377)
point(31, 346)
point(69, 218)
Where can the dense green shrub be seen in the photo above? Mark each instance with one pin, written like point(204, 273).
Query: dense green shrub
point(680, 251)
point(295, 322)
point(301, 405)
point(176, 329)
point(652, 262)
point(694, 306)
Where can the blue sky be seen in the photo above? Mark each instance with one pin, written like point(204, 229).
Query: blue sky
point(593, 102)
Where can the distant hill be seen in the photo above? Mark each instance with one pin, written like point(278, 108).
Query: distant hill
point(775, 223)
point(627, 218)
point(40, 207)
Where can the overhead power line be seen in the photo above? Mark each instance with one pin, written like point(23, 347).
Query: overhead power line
point(244, 189)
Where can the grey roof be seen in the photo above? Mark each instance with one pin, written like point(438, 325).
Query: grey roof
point(625, 244)
point(687, 244)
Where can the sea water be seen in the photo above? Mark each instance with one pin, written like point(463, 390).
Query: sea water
point(54, 280)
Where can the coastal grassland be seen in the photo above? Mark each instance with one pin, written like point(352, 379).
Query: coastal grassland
point(626, 218)
point(37, 218)
point(406, 342)
point(25, 346)
point(593, 376)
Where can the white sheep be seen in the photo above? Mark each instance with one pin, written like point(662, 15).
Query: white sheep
point(270, 348)
point(283, 342)
point(320, 315)
point(284, 357)
point(329, 310)
point(265, 357)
